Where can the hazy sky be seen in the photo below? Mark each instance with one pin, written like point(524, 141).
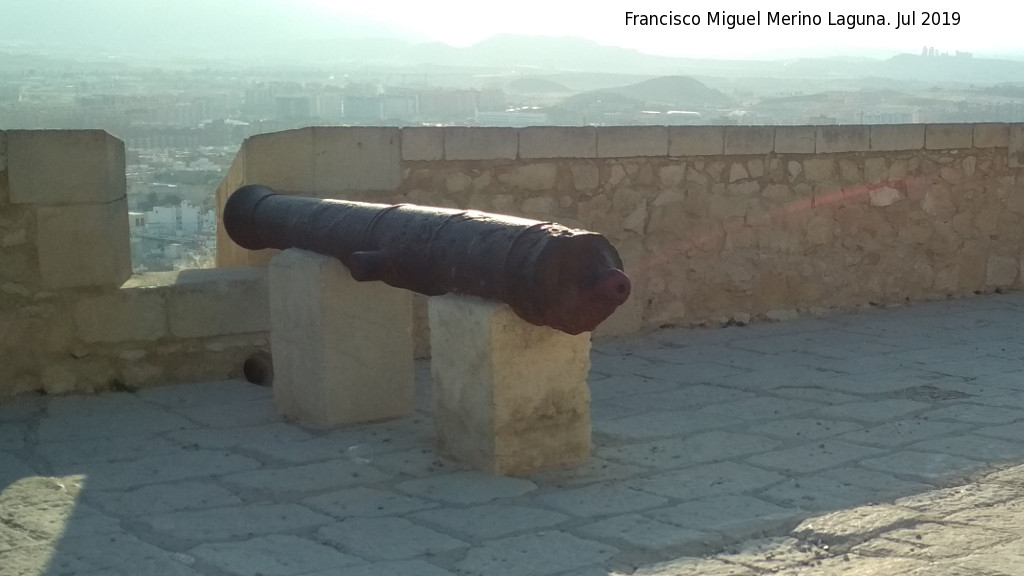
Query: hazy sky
point(986, 27)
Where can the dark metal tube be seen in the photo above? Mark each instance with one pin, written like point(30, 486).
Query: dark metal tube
point(550, 275)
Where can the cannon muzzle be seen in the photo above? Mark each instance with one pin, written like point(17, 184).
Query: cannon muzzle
point(550, 275)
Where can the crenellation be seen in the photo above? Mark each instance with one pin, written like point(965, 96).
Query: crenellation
point(834, 139)
point(696, 140)
point(947, 136)
point(631, 141)
point(743, 140)
point(991, 135)
point(1015, 147)
point(557, 142)
point(422, 143)
point(461, 143)
point(896, 137)
point(356, 158)
point(794, 139)
point(91, 167)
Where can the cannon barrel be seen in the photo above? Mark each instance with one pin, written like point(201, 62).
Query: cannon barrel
point(550, 275)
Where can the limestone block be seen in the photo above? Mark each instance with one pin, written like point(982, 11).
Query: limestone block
point(749, 139)
point(558, 142)
point(832, 139)
point(3, 151)
point(884, 196)
point(122, 315)
point(343, 350)
point(631, 141)
point(945, 136)
point(897, 137)
point(216, 301)
point(463, 143)
point(282, 160)
point(991, 135)
point(794, 139)
point(696, 140)
point(509, 397)
point(422, 143)
point(1016, 146)
point(83, 244)
point(65, 167)
point(356, 159)
point(1001, 271)
point(539, 176)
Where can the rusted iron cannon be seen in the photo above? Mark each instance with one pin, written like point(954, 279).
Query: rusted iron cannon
point(550, 275)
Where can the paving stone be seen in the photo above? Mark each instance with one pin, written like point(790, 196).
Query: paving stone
point(167, 467)
point(467, 487)
point(207, 438)
point(693, 567)
point(244, 413)
point(600, 500)
point(872, 412)
point(840, 488)
point(22, 408)
point(117, 553)
point(989, 450)
point(274, 555)
point(762, 408)
point(225, 392)
point(680, 397)
point(234, 522)
point(12, 435)
point(737, 517)
point(814, 456)
point(977, 414)
point(694, 373)
point(927, 467)
point(159, 498)
point(616, 386)
point(932, 541)
point(697, 448)
point(635, 530)
point(387, 538)
point(803, 428)
point(717, 354)
point(13, 469)
point(307, 477)
point(813, 394)
point(938, 504)
point(660, 424)
point(417, 462)
point(593, 471)
point(614, 363)
point(788, 375)
point(903, 432)
point(707, 480)
point(489, 521)
point(397, 568)
point(363, 501)
point(535, 554)
point(846, 528)
point(77, 455)
point(131, 419)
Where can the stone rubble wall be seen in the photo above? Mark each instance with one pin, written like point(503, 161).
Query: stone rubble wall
point(716, 224)
point(72, 318)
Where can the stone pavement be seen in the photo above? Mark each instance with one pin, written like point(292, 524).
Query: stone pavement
point(885, 442)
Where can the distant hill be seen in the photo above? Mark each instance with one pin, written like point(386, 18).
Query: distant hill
point(673, 91)
point(535, 85)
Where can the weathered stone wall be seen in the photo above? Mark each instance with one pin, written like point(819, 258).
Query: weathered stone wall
point(715, 224)
point(71, 318)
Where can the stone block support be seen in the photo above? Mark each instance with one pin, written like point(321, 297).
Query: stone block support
point(509, 397)
point(342, 349)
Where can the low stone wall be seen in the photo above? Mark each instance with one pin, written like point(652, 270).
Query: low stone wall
point(72, 319)
point(715, 224)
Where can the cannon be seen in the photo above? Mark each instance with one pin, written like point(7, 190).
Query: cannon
point(550, 275)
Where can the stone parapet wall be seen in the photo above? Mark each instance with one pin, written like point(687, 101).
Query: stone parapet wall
point(72, 319)
point(716, 224)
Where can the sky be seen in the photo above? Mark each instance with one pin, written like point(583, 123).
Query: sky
point(986, 27)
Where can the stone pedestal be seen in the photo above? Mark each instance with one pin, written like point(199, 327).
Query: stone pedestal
point(509, 397)
point(342, 349)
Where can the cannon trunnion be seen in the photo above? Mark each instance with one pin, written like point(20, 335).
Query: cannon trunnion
point(550, 275)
